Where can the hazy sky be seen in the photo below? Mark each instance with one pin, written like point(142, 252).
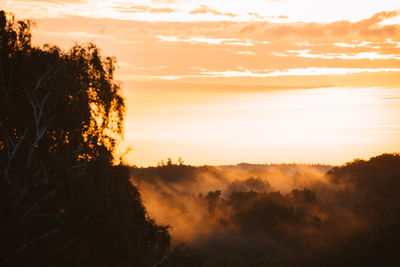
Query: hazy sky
point(220, 82)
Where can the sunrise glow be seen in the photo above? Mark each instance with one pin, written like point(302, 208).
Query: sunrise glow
point(218, 82)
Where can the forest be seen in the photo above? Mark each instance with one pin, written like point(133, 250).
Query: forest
point(277, 215)
point(66, 202)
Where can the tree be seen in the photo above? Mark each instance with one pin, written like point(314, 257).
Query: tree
point(63, 202)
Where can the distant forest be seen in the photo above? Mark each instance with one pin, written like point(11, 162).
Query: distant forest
point(65, 202)
point(278, 215)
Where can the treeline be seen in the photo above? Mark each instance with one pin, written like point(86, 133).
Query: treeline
point(346, 217)
point(63, 202)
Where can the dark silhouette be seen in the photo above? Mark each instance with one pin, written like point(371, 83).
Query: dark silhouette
point(349, 217)
point(63, 203)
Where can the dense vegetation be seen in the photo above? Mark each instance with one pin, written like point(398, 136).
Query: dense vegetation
point(348, 217)
point(63, 203)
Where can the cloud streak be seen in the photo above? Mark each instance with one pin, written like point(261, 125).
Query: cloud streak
point(147, 9)
point(206, 10)
point(353, 56)
point(311, 71)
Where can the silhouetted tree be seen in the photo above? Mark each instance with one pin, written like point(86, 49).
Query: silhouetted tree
point(63, 203)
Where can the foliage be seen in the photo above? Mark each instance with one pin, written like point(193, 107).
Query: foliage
point(63, 202)
point(350, 219)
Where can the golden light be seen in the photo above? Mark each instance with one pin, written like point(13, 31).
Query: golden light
point(220, 81)
point(303, 123)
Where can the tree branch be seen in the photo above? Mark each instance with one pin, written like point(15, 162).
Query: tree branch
point(30, 243)
point(12, 153)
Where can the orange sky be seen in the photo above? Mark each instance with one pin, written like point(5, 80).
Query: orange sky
point(255, 81)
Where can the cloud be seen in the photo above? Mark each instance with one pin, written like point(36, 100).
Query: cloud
point(362, 55)
point(206, 10)
point(381, 16)
point(77, 34)
point(345, 29)
point(390, 41)
point(220, 46)
point(255, 15)
point(247, 43)
point(194, 39)
point(300, 32)
point(311, 71)
point(354, 44)
point(168, 1)
point(148, 9)
point(245, 53)
point(53, 1)
point(215, 41)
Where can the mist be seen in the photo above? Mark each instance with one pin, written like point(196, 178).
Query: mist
point(280, 214)
point(181, 196)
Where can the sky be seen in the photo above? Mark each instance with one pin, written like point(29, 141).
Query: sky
point(260, 81)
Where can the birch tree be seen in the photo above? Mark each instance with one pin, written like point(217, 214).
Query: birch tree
point(63, 202)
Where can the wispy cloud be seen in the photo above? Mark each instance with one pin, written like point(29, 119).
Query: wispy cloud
point(54, 1)
point(390, 41)
point(194, 39)
point(148, 9)
point(215, 41)
point(361, 55)
point(203, 9)
point(77, 34)
point(245, 53)
point(293, 49)
point(311, 71)
point(247, 43)
point(353, 44)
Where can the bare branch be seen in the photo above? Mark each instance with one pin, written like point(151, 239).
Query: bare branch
point(37, 109)
point(33, 241)
point(67, 245)
point(12, 153)
point(165, 257)
point(35, 205)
